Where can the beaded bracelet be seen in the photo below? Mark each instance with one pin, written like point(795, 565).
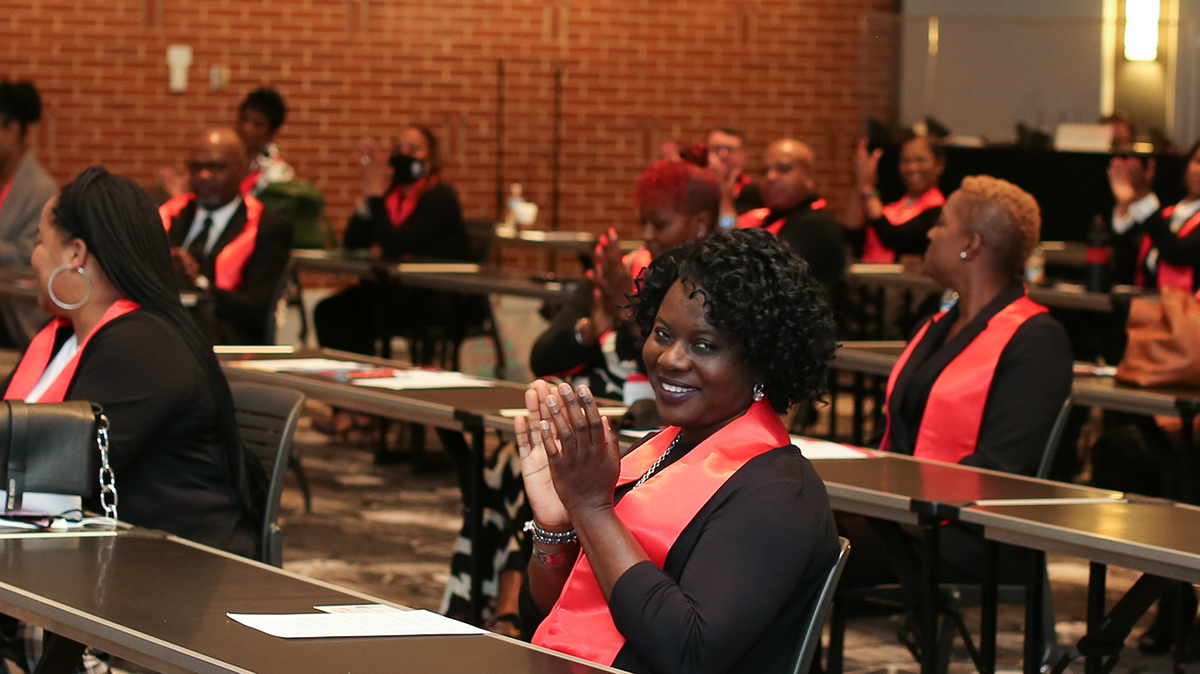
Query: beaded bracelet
point(544, 537)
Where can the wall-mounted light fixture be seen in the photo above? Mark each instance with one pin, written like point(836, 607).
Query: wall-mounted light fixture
point(1141, 30)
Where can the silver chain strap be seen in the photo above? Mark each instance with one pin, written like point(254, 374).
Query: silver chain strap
point(108, 480)
point(657, 463)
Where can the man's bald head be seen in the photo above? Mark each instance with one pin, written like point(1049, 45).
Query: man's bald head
point(217, 166)
point(787, 174)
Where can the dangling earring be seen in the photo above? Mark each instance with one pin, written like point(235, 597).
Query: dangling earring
point(54, 298)
point(758, 392)
point(963, 255)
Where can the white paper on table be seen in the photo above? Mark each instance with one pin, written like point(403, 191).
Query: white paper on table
point(301, 365)
point(821, 449)
point(424, 379)
point(346, 625)
point(359, 608)
point(514, 412)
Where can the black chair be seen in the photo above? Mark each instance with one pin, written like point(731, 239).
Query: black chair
point(266, 419)
point(952, 597)
point(810, 639)
point(441, 344)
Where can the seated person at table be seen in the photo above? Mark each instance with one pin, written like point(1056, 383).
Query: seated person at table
point(898, 228)
point(259, 119)
point(1166, 242)
point(589, 342)
point(224, 245)
point(592, 338)
point(727, 161)
point(24, 188)
point(795, 213)
point(704, 548)
point(407, 211)
point(981, 383)
point(121, 338)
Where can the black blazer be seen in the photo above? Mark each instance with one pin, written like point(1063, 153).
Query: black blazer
point(242, 313)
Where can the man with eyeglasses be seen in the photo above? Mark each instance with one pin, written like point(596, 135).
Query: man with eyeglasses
point(794, 212)
point(224, 245)
point(727, 161)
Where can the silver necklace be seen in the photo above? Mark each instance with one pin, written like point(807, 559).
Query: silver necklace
point(657, 463)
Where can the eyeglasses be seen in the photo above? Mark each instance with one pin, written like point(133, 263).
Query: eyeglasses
point(724, 149)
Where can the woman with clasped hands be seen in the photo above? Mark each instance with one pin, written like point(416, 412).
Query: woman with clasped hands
point(703, 548)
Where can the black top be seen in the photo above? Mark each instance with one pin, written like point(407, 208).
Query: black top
point(816, 236)
point(1172, 249)
point(1032, 379)
point(738, 583)
point(434, 229)
point(164, 440)
point(748, 199)
point(242, 312)
point(557, 353)
point(909, 237)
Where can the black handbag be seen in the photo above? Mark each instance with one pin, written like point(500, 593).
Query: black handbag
point(55, 448)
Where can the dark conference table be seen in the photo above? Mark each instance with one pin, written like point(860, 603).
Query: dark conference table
point(161, 601)
point(443, 275)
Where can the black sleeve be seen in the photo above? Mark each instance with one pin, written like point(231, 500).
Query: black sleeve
point(818, 241)
point(556, 352)
point(360, 232)
point(122, 369)
point(1032, 380)
point(744, 568)
point(1183, 252)
point(748, 199)
point(247, 306)
point(907, 238)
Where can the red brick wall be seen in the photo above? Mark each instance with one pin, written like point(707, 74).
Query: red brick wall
point(637, 72)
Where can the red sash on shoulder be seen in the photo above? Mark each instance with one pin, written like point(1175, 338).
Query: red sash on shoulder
point(655, 513)
point(897, 213)
point(248, 183)
point(231, 260)
point(954, 410)
point(37, 357)
point(400, 208)
point(4, 192)
point(1169, 275)
point(758, 216)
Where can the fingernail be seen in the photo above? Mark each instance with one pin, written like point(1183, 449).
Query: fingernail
point(545, 426)
point(585, 392)
point(552, 403)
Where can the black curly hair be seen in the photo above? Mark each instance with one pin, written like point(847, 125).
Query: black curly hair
point(761, 296)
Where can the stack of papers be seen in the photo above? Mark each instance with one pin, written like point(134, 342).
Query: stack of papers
point(354, 621)
point(821, 449)
point(301, 365)
point(402, 380)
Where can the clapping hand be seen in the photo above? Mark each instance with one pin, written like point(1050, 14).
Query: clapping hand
point(866, 166)
point(548, 510)
point(612, 277)
point(1129, 180)
point(582, 450)
point(376, 171)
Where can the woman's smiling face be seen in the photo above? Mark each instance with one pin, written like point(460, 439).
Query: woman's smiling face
point(699, 379)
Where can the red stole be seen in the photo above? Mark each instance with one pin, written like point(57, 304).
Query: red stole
point(37, 357)
point(897, 213)
point(249, 182)
point(399, 208)
point(4, 192)
point(740, 185)
point(758, 216)
point(1169, 275)
point(655, 513)
point(954, 410)
point(231, 260)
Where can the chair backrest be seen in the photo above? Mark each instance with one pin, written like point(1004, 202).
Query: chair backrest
point(1056, 431)
point(266, 420)
point(481, 233)
point(811, 636)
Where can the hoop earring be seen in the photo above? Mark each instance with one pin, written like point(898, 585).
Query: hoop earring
point(758, 392)
point(54, 298)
